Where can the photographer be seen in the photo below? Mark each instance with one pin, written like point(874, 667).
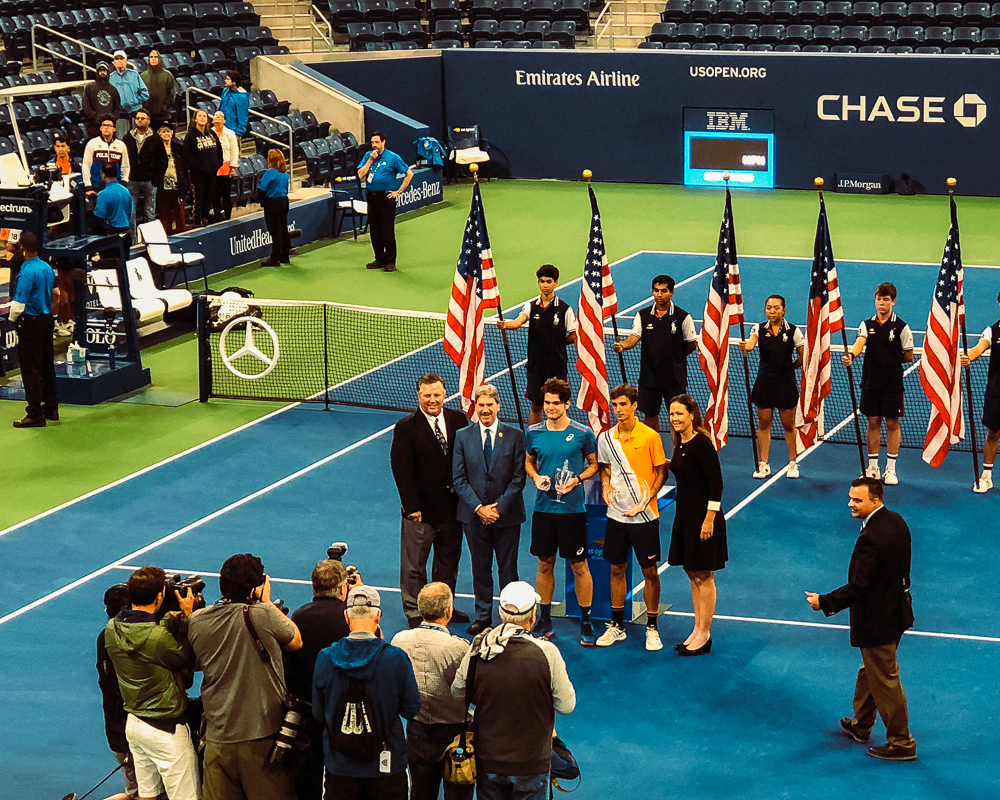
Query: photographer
point(321, 623)
point(153, 662)
point(115, 599)
point(244, 687)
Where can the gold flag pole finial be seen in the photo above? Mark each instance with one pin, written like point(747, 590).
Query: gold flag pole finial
point(952, 183)
point(819, 186)
point(587, 174)
point(474, 169)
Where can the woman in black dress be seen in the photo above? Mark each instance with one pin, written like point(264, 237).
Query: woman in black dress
point(781, 346)
point(698, 538)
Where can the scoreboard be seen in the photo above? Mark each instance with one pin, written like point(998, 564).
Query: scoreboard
point(737, 141)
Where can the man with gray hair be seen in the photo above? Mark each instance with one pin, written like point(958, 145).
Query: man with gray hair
point(361, 687)
point(488, 476)
point(518, 683)
point(435, 654)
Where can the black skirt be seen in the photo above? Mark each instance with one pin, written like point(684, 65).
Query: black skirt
point(775, 395)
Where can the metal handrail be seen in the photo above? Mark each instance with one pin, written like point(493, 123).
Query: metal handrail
point(84, 47)
point(326, 37)
point(291, 133)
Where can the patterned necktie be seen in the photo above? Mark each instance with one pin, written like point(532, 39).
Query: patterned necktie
point(488, 448)
point(440, 436)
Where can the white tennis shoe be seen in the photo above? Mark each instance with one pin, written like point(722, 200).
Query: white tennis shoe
point(889, 478)
point(872, 472)
point(793, 470)
point(984, 485)
point(763, 470)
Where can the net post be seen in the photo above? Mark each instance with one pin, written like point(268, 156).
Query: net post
point(968, 372)
point(204, 351)
point(326, 360)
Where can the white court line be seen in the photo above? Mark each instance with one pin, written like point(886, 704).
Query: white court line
point(936, 264)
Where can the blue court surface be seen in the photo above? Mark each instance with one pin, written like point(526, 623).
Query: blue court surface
point(755, 719)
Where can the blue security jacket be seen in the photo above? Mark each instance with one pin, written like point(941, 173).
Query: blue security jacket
point(235, 104)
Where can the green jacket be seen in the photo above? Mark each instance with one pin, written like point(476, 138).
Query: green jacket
point(160, 83)
point(151, 663)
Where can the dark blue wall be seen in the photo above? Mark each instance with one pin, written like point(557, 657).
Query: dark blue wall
point(635, 132)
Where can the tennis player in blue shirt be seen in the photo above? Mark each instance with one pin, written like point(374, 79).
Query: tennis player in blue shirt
point(31, 313)
point(382, 169)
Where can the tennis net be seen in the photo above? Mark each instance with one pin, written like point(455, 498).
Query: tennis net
point(336, 354)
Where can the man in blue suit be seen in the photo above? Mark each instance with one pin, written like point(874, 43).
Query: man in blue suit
point(488, 477)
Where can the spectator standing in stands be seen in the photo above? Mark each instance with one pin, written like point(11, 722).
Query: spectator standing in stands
point(170, 177)
point(321, 623)
point(114, 206)
point(273, 189)
point(66, 293)
point(162, 93)
point(203, 154)
point(382, 168)
point(518, 683)
point(131, 89)
point(390, 689)
point(100, 98)
point(140, 143)
point(242, 691)
point(235, 103)
point(104, 149)
point(31, 313)
point(230, 161)
point(115, 599)
point(63, 159)
point(436, 656)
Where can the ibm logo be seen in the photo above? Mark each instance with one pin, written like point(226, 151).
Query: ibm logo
point(727, 121)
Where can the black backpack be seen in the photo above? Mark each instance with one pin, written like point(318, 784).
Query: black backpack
point(355, 731)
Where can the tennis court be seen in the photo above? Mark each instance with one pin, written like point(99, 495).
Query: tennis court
point(757, 719)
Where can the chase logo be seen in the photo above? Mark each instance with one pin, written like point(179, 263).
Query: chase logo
point(970, 110)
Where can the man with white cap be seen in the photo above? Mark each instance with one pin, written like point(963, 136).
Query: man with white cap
point(361, 688)
point(517, 683)
point(131, 89)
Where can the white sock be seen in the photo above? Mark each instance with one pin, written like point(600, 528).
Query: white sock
point(873, 460)
point(891, 463)
point(988, 471)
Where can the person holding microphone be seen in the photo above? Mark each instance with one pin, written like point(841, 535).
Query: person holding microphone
point(382, 168)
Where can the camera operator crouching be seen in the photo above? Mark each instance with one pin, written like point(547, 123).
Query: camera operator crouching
point(154, 663)
point(238, 644)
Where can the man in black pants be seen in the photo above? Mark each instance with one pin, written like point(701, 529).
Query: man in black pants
point(382, 169)
point(31, 313)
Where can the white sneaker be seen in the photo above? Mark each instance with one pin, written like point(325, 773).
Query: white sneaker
point(61, 330)
point(653, 642)
point(889, 478)
point(872, 472)
point(70, 325)
point(763, 470)
point(611, 636)
point(984, 485)
point(792, 471)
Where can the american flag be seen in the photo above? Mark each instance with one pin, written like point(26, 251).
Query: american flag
point(724, 308)
point(825, 317)
point(475, 289)
point(597, 301)
point(940, 367)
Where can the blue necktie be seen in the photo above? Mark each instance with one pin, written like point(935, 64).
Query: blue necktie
point(488, 449)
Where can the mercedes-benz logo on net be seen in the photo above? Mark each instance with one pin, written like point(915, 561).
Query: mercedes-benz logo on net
point(970, 110)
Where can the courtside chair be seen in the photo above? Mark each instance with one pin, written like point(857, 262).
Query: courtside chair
point(466, 146)
point(160, 252)
point(350, 198)
point(142, 286)
point(105, 284)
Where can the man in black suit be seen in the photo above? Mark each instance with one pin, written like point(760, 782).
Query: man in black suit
point(877, 592)
point(488, 474)
point(421, 458)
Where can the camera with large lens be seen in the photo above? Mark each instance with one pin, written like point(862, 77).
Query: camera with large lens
point(336, 552)
point(295, 712)
point(194, 583)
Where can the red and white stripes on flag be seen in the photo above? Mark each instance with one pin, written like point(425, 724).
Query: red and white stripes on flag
point(825, 317)
point(724, 308)
point(597, 301)
point(940, 367)
point(474, 289)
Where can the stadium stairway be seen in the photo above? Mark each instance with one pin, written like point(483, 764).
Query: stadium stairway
point(631, 21)
point(290, 22)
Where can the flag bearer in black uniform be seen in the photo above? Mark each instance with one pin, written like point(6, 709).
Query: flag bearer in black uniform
point(668, 338)
point(991, 402)
point(781, 345)
point(551, 327)
point(888, 344)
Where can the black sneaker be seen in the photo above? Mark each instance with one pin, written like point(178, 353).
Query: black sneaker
point(390, 267)
point(30, 422)
point(890, 752)
point(373, 265)
point(860, 735)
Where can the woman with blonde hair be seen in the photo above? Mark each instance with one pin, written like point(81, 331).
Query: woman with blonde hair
point(273, 190)
point(698, 538)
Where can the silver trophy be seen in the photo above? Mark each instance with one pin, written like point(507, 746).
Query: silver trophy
point(562, 476)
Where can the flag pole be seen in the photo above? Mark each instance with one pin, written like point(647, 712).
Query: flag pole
point(587, 174)
point(968, 372)
point(746, 363)
point(855, 411)
point(474, 169)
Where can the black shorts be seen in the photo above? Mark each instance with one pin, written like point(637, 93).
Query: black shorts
point(881, 404)
point(568, 532)
point(535, 381)
point(991, 413)
point(642, 537)
point(781, 396)
point(652, 398)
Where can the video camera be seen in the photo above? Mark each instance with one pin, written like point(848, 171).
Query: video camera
point(194, 583)
point(336, 552)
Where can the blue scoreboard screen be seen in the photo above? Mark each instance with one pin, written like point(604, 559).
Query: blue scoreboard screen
point(735, 141)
